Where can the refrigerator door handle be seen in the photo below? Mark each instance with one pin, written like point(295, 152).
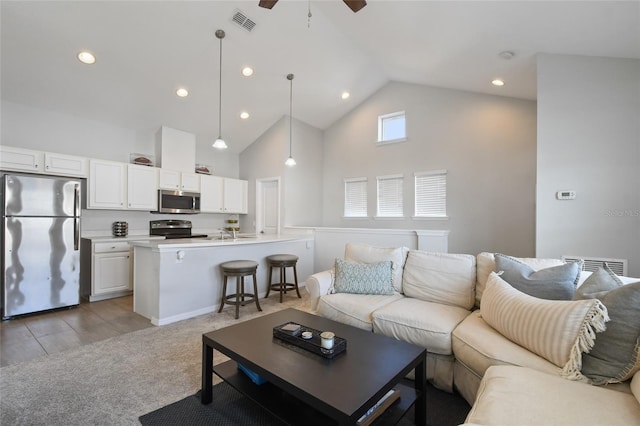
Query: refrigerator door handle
point(76, 218)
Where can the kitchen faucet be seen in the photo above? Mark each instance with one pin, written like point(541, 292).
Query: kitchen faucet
point(232, 233)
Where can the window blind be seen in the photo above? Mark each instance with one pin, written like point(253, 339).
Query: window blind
point(355, 197)
point(431, 194)
point(390, 203)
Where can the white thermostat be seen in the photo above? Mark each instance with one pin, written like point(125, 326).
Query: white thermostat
point(566, 195)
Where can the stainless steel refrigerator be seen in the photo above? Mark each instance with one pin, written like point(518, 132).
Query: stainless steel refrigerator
point(40, 243)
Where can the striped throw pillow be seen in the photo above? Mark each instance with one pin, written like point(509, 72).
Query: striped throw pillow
point(557, 330)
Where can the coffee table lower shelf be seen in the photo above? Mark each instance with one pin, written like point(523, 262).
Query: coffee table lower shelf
point(294, 412)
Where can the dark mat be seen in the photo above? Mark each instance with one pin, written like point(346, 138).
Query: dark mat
point(230, 408)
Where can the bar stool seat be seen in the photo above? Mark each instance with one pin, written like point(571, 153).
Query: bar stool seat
point(282, 261)
point(239, 269)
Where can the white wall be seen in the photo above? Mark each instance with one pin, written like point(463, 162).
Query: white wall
point(301, 191)
point(589, 141)
point(486, 143)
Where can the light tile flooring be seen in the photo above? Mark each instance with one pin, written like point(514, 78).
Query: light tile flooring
point(37, 335)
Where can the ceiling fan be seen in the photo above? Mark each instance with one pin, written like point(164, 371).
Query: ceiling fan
point(353, 5)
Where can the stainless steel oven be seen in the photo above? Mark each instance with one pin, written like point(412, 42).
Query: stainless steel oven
point(178, 202)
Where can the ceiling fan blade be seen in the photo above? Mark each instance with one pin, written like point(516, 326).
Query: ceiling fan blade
point(267, 4)
point(355, 5)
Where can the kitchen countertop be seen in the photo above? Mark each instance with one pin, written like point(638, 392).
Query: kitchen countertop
point(128, 238)
point(215, 241)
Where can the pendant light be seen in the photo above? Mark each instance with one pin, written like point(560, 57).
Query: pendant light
point(220, 143)
point(290, 161)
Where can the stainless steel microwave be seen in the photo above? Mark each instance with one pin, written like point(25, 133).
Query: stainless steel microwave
point(178, 202)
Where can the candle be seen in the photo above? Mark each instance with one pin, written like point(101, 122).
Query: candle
point(326, 339)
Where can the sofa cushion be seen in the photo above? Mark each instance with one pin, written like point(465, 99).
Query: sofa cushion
point(635, 386)
point(521, 396)
point(364, 253)
point(363, 278)
point(615, 356)
point(478, 346)
point(486, 264)
point(419, 322)
point(440, 278)
point(554, 283)
point(557, 330)
point(353, 309)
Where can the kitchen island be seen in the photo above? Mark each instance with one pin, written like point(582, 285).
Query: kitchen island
point(180, 278)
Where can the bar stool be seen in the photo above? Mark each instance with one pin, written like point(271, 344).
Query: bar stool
point(282, 261)
point(239, 269)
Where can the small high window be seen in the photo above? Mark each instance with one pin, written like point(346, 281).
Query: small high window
point(355, 197)
point(390, 196)
point(392, 128)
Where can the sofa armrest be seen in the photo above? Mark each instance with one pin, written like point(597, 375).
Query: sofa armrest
point(318, 285)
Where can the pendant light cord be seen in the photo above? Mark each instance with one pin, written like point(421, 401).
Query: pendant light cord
point(290, 112)
point(220, 93)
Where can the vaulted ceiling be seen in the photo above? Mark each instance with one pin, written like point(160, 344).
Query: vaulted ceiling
point(145, 50)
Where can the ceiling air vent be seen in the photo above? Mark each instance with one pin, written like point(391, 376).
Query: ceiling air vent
point(241, 20)
point(591, 264)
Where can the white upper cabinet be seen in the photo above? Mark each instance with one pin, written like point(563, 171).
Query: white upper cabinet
point(24, 160)
point(223, 195)
point(51, 163)
point(212, 194)
point(169, 179)
point(107, 185)
point(142, 187)
point(175, 180)
point(190, 182)
point(65, 165)
point(235, 195)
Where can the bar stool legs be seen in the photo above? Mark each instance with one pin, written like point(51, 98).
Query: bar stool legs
point(239, 269)
point(282, 261)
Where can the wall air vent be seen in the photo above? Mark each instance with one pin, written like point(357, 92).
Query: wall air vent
point(591, 264)
point(240, 19)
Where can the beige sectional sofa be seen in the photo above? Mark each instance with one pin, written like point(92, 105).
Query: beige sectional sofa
point(435, 303)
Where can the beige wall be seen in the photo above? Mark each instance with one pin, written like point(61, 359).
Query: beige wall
point(486, 143)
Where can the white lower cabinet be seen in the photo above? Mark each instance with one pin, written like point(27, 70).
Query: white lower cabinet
point(105, 269)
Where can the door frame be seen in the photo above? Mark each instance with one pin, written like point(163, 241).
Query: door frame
point(260, 184)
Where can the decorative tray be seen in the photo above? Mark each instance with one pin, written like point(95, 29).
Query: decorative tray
point(311, 344)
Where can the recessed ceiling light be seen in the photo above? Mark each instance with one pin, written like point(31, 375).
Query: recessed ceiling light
point(507, 54)
point(247, 71)
point(244, 115)
point(86, 58)
point(182, 92)
point(497, 82)
point(345, 95)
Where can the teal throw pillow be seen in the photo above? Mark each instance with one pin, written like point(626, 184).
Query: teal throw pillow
point(555, 283)
point(363, 278)
point(615, 357)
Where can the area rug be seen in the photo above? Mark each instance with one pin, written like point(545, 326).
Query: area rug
point(230, 408)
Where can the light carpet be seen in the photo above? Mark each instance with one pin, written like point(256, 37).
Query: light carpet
point(115, 381)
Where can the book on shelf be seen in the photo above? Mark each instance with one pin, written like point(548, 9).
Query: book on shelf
point(376, 411)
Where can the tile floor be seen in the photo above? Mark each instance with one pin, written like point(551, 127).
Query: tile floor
point(37, 335)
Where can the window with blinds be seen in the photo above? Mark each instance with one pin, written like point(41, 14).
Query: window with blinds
point(390, 202)
point(431, 194)
point(355, 197)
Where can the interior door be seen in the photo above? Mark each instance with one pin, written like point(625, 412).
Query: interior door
point(268, 206)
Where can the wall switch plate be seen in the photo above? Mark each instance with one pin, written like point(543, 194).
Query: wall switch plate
point(566, 195)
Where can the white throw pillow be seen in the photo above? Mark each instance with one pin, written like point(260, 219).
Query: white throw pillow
point(440, 277)
point(364, 253)
point(486, 264)
point(557, 330)
point(635, 386)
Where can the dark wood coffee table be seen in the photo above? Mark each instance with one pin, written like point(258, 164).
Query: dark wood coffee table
point(305, 388)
